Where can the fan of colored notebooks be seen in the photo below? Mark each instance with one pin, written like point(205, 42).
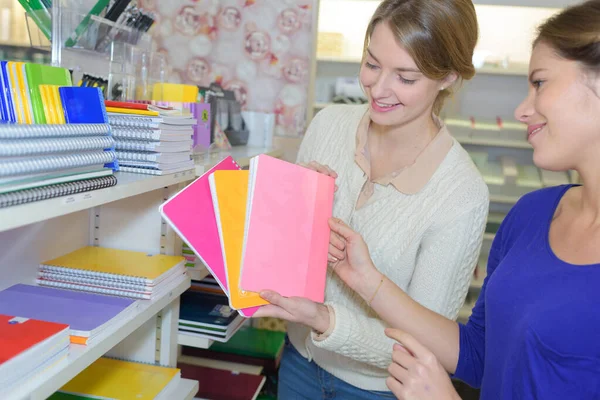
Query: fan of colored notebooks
point(265, 228)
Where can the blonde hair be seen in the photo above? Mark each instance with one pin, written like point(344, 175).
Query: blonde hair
point(440, 35)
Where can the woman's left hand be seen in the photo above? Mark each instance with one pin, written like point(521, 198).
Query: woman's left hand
point(295, 309)
point(415, 372)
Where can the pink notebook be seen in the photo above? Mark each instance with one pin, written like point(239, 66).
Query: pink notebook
point(287, 231)
point(191, 214)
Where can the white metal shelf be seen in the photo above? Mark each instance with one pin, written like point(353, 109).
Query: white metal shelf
point(194, 341)
point(241, 154)
point(502, 199)
point(506, 143)
point(197, 273)
point(186, 390)
point(80, 357)
point(128, 185)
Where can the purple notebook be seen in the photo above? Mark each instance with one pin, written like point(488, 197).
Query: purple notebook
point(83, 312)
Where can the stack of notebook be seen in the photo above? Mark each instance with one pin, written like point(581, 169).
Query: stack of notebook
point(207, 315)
point(150, 140)
point(54, 140)
point(266, 228)
point(28, 346)
point(114, 272)
point(108, 378)
point(88, 315)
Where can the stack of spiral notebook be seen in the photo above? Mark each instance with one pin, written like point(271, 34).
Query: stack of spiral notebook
point(113, 272)
point(54, 138)
point(151, 141)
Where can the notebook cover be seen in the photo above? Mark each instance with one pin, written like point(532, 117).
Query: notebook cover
point(222, 384)
point(191, 214)
point(81, 311)
point(7, 94)
point(18, 334)
point(83, 105)
point(206, 309)
point(230, 193)
point(24, 88)
point(115, 261)
point(59, 116)
point(16, 92)
point(116, 379)
point(132, 111)
point(38, 74)
point(4, 116)
point(287, 229)
point(49, 104)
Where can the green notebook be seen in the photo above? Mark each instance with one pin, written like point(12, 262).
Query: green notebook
point(39, 74)
point(252, 342)
point(66, 396)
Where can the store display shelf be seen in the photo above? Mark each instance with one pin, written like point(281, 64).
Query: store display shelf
point(498, 198)
point(241, 154)
point(186, 390)
point(128, 185)
point(506, 143)
point(194, 341)
point(465, 312)
point(80, 357)
point(488, 236)
point(197, 273)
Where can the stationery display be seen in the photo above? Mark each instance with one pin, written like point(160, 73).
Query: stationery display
point(108, 378)
point(28, 346)
point(241, 224)
point(113, 272)
point(87, 314)
point(151, 140)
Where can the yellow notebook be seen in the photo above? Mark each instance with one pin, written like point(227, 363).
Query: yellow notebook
point(12, 67)
point(107, 378)
point(229, 190)
point(132, 111)
point(101, 261)
point(49, 104)
point(59, 115)
point(175, 92)
point(24, 88)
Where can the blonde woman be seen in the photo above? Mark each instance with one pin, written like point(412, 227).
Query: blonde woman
point(405, 184)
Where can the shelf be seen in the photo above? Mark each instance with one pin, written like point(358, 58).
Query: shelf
point(186, 390)
point(80, 357)
point(241, 154)
point(498, 198)
point(513, 144)
point(465, 312)
point(194, 341)
point(128, 185)
point(488, 236)
point(197, 274)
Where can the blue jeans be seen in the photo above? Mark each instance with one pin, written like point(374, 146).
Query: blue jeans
point(300, 380)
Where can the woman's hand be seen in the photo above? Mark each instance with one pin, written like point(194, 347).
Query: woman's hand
point(294, 309)
point(415, 372)
point(323, 169)
point(350, 259)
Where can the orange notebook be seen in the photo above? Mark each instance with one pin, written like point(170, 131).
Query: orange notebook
point(287, 229)
point(229, 191)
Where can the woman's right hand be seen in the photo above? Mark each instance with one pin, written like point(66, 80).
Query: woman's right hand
point(350, 259)
point(323, 169)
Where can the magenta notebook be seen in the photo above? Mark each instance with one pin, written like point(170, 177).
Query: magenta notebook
point(191, 214)
point(287, 229)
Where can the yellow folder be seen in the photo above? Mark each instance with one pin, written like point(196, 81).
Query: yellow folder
point(120, 262)
point(230, 188)
point(107, 378)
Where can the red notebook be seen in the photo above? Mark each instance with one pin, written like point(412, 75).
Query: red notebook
point(20, 334)
point(220, 384)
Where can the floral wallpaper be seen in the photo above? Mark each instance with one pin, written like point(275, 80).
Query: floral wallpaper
point(258, 48)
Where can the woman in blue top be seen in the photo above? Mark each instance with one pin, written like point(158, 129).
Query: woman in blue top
point(535, 330)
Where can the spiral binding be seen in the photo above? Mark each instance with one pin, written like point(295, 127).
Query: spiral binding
point(141, 170)
point(24, 147)
point(132, 145)
point(81, 288)
point(58, 190)
point(110, 283)
point(136, 133)
point(134, 121)
point(55, 162)
point(131, 279)
point(134, 156)
point(25, 131)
